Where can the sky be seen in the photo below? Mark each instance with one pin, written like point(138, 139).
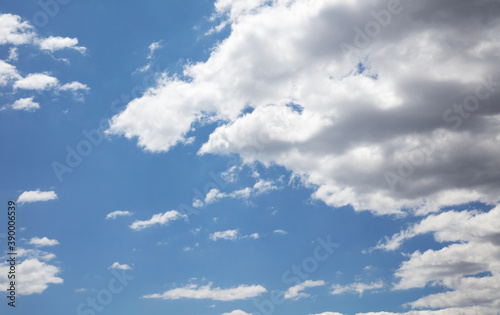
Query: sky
point(236, 157)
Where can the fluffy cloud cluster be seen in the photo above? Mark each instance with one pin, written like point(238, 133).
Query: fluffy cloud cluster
point(15, 32)
point(468, 266)
point(36, 270)
point(338, 95)
point(193, 291)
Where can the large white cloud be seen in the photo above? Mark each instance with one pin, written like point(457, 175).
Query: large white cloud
point(370, 129)
point(193, 291)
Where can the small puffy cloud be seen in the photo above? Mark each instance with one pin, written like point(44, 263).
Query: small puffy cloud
point(193, 291)
point(259, 188)
point(225, 235)
point(36, 195)
point(213, 196)
point(36, 276)
point(74, 86)
point(237, 312)
point(280, 232)
point(254, 235)
point(44, 241)
point(8, 73)
point(117, 265)
point(36, 81)
point(159, 218)
point(54, 43)
point(26, 104)
point(115, 214)
point(296, 293)
point(328, 313)
point(197, 203)
point(13, 31)
point(358, 287)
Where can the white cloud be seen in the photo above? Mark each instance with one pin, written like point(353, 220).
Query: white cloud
point(354, 124)
point(153, 47)
point(259, 188)
point(44, 241)
point(296, 293)
point(13, 55)
point(8, 73)
point(54, 43)
point(81, 290)
point(36, 276)
point(225, 235)
point(26, 104)
point(467, 267)
point(254, 235)
point(358, 287)
point(36, 81)
point(193, 291)
point(117, 265)
point(474, 310)
point(36, 195)
point(328, 313)
point(13, 31)
point(281, 232)
point(237, 312)
point(159, 218)
point(74, 87)
point(115, 214)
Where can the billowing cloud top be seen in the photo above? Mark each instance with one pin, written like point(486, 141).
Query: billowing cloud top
point(385, 106)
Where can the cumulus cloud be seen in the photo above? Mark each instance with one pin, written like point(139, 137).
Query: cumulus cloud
point(474, 250)
point(14, 31)
point(44, 241)
point(193, 291)
point(115, 214)
point(26, 104)
point(54, 43)
point(296, 293)
point(36, 81)
point(357, 287)
point(159, 218)
point(280, 232)
point(237, 312)
point(225, 235)
point(8, 73)
point(346, 111)
point(36, 276)
point(36, 195)
point(117, 265)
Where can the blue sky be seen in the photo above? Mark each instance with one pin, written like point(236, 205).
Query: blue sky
point(204, 157)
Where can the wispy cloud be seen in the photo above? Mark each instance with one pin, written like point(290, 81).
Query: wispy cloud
point(159, 218)
point(118, 213)
point(193, 291)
